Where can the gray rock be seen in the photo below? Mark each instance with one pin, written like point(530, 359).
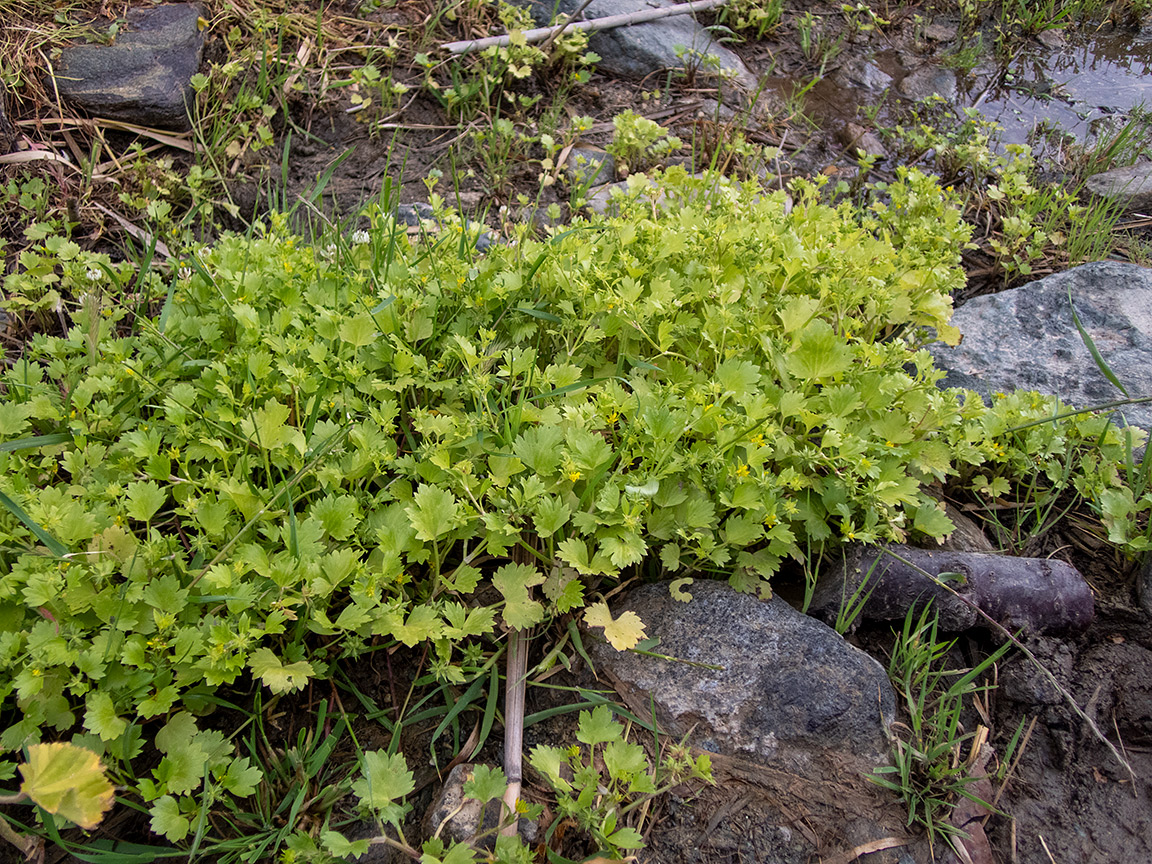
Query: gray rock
point(789, 689)
point(588, 166)
point(1025, 338)
point(855, 137)
point(1038, 595)
point(599, 198)
point(144, 75)
point(941, 31)
point(1052, 39)
point(968, 536)
point(455, 817)
point(414, 215)
point(928, 81)
point(642, 50)
point(1130, 187)
point(861, 72)
point(1144, 584)
point(378, 853)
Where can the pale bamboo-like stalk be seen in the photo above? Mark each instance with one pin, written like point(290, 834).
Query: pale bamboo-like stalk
point(515, 684)
point(539, 34)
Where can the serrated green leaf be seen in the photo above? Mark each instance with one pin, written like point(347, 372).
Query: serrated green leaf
point(340, 846)
point(168, 821)
point(587, 450)
point(551, 514)
point(359, 330)
point(626, 838)
point(624, 548)
point(423, 623)
point(13, 418)
point(276, 676)
point(182, 770)
point(513, 581)
point(932, 519)
point(166, 594)
point(241, 777)
point(101, 717)
point(385, 779)
point(539, 448)
point(337, 514)
point(820, 353)
point(797, 312)
point(465, 623)
point(738, 377)
point(564, 588)
point(548, 761)
point(144, 499)
point(268, 428)
point(486, 784)
point(353, 617)
point(598, 727)
point(177, 732)
point(433, 512)
point(624, 760)
point(742, 530)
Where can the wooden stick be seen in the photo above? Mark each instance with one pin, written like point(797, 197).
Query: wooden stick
point(612, 21)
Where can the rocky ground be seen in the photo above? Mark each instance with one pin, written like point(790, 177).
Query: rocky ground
point(795, 717)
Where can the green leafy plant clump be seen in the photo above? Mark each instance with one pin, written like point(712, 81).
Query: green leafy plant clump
point(287, 454)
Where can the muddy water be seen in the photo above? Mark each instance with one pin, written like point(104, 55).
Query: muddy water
point(1074, 86)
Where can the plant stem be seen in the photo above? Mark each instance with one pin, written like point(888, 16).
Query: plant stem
point(515, 683)
point(27, 845)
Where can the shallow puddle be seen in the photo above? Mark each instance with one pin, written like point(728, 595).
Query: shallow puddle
point(1068, 87)
point(1093, 76)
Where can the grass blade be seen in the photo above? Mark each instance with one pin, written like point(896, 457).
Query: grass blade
point(1091, 346)
point(35, 442)
point(54, 546)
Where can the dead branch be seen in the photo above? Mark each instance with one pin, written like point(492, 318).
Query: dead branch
point(610, 22)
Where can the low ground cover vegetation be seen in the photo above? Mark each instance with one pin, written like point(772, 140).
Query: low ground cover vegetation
point(313, 451)
point(304, 440)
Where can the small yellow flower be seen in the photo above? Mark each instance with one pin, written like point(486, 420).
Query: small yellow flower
point(614, 416)
point(574, 475)
point(742, 471)
point(36, 673)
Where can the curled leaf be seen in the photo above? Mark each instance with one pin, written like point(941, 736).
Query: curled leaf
point(67, 781)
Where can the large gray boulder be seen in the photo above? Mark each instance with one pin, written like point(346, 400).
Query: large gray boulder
point(1129, 187)
point(642, 50)
point(789, 690)
point(1026, 339)
point(143, 75)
